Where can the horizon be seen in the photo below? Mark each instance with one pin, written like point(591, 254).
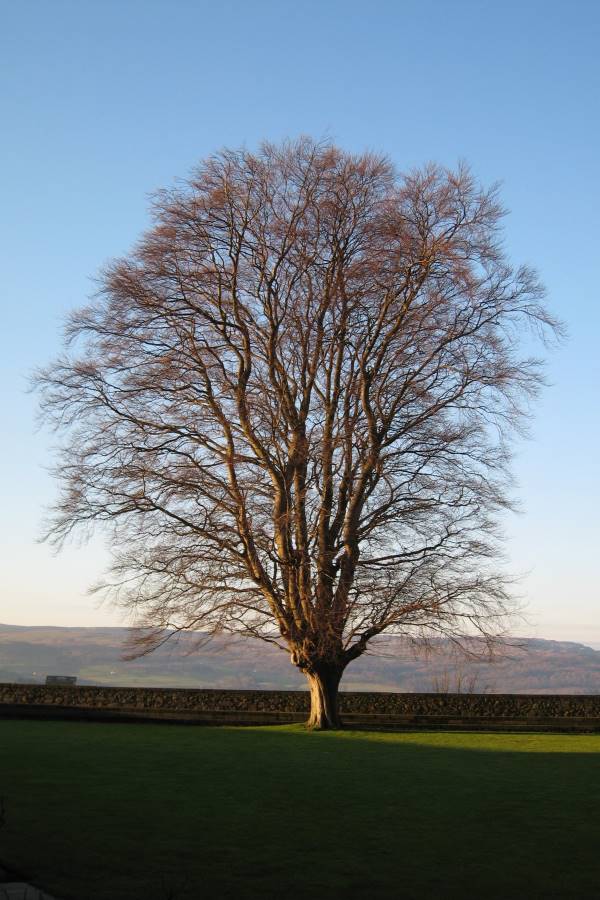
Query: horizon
point(95, 656)
point(95, 125)
point(382, 637)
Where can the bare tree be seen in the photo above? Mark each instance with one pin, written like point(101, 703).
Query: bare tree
point(292, 405)
point(458, 681)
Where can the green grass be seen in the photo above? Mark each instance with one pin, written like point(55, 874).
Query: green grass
point(119, 812)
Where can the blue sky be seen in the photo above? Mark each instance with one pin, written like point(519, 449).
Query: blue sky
point(102, 102)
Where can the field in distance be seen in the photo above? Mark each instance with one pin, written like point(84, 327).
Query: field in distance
point(94, 655)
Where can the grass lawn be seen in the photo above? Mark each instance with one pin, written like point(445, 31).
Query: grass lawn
point(120, 812)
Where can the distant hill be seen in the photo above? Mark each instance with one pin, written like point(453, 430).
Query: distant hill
point(94, 655)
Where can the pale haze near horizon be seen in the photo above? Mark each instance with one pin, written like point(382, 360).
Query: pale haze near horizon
point(102, 103)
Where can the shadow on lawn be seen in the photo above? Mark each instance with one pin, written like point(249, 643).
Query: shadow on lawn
point(155, 811)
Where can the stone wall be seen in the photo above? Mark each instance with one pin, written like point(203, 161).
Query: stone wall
point(258, 707)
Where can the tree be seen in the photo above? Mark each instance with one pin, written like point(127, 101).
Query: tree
point(292, 406)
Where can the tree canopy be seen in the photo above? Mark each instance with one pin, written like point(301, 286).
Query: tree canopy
point(293, 403)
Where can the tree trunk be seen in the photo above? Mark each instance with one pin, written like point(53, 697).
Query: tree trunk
point(324, 686)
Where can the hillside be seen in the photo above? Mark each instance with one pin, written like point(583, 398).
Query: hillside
point(94, 655)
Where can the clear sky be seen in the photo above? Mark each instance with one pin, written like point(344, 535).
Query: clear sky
point(103, 101)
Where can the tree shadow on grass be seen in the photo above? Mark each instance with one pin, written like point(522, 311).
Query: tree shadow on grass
point(115, 811)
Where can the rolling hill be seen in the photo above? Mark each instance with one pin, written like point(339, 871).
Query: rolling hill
point(94, 655)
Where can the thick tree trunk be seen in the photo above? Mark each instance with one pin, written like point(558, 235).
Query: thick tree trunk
point(324, 686)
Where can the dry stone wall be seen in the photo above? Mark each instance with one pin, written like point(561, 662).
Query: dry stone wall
point(244, 707)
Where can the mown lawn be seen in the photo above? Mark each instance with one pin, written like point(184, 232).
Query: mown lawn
point(112, 811)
